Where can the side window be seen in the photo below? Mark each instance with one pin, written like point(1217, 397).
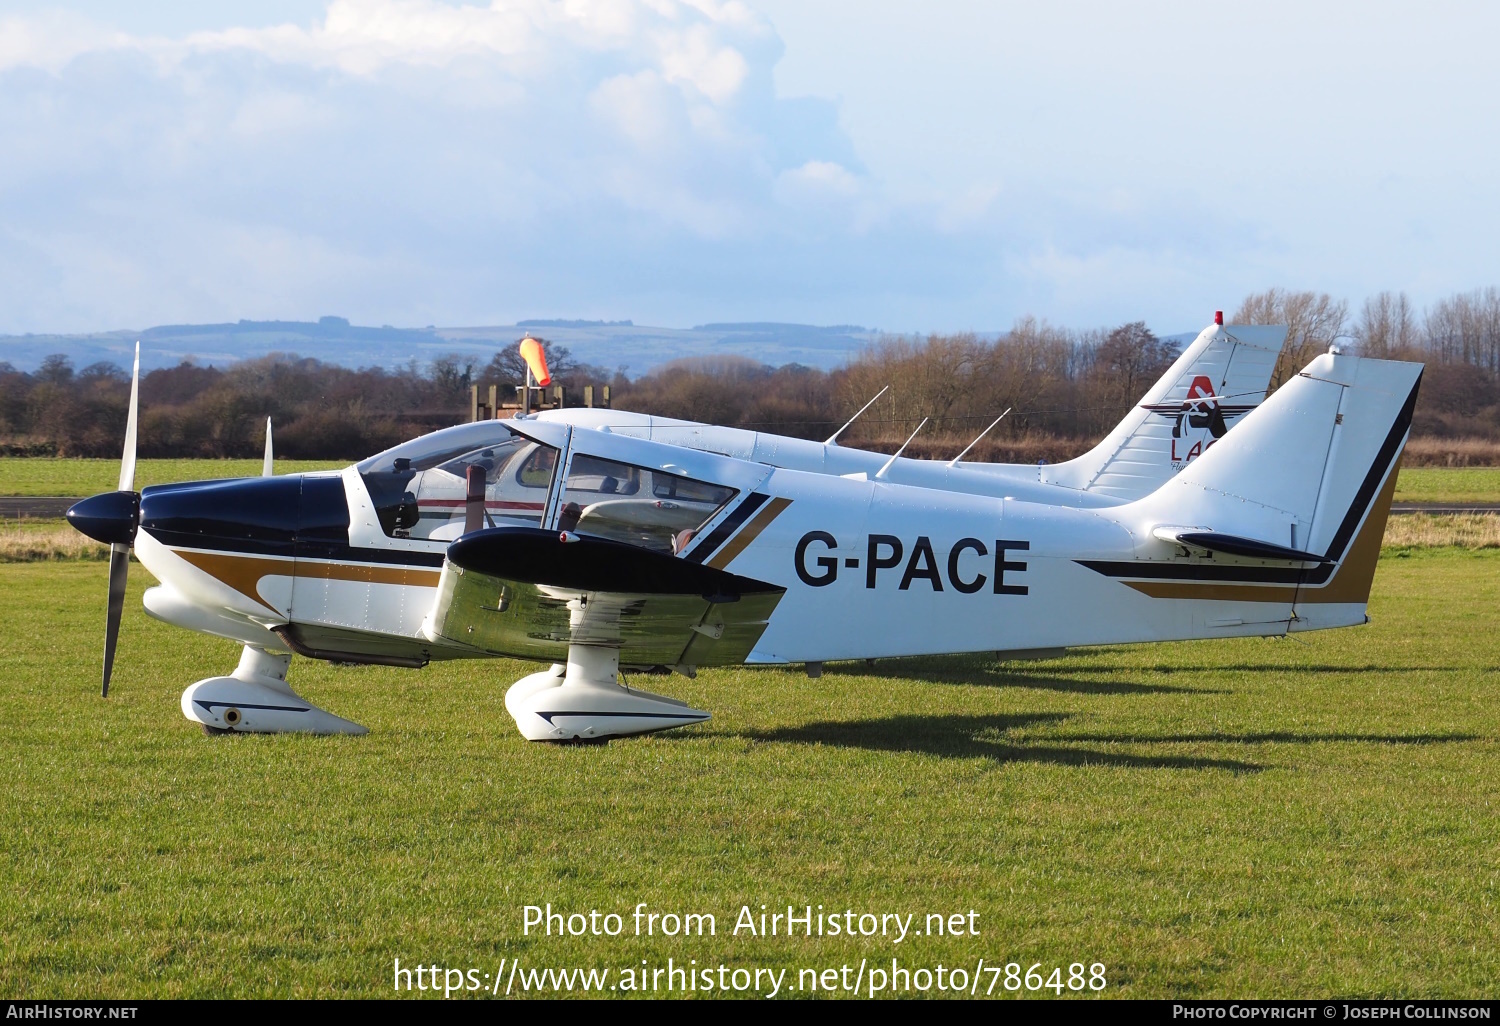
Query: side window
point(591, 475)
point(517, 474)
point(635, 505)
point(418, 488)
point(537, 469)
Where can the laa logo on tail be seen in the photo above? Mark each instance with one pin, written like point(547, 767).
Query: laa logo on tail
point(1199, 420)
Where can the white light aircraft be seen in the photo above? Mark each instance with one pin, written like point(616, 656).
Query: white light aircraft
point(596, 552)
point(1216, 380)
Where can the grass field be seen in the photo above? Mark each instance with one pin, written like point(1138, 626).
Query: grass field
point(36, 476)
point(86, 477)
point(1444, 484)
point(1238, 818)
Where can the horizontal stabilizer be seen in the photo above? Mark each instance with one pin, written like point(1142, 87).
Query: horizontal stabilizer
point(1234, 545)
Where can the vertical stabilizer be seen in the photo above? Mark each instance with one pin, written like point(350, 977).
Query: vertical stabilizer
point(1310, 473)
point(1218, 379)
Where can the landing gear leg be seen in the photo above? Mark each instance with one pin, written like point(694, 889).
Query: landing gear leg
point(256, 699)
point(583, 699)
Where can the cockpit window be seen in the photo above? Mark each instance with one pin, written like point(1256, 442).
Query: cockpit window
point(419, 488)
point(439, 446)
point(635, 505)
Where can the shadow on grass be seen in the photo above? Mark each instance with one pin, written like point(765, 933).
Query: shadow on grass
point(1274, 737)
point(1253, 668)
point(968, 670)
point(976, 737)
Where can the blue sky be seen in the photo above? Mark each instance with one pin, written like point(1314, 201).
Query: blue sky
point(910, 166)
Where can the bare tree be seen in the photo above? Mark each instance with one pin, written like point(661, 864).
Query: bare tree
point(1314, 321)
point(1032, 369)
point(507, 367)
point(1133, 357)
point(1466, 329)
point(1387, 326)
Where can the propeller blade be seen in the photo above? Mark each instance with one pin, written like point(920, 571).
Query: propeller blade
point(265, 467)
point(119, 568)
point(119, 552)
point(127, 461)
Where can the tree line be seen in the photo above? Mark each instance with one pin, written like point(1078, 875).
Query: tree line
point(1065, 388)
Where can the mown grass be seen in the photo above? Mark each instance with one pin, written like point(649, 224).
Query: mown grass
point(1236, 818)
point(40, 476)
point(1445, 484)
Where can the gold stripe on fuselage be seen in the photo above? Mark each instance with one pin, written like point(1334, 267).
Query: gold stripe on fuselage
point(244, 573)
point(1349, 583)
point(740, 542)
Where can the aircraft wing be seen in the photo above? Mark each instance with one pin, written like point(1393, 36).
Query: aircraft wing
point(525, 592)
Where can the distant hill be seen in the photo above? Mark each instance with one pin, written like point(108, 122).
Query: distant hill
point(610, 344)
point(564, 323)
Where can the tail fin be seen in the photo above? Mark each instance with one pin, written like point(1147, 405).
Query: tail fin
point(1217, 380)
point(1310, 472)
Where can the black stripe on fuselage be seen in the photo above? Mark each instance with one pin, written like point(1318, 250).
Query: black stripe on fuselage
point(331, 551)
point(1194, 571)
point(721, 534)
point(1379, 468)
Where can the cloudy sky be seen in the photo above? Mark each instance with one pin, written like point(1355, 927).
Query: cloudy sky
point(929, 165)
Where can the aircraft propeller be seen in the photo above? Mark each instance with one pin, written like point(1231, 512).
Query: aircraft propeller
point(112, 518)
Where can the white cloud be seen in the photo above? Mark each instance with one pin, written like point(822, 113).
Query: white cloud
point(49, 41)
point(819, 180)
point(386, 153)
point(414, 162)
point(697, 58)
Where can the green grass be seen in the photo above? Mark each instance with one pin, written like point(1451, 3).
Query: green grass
point(39, 476)
point(1445, 484)
point(1305, 818)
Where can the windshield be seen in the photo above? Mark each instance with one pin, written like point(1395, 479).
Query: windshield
point(438, 447)
point(419, 488)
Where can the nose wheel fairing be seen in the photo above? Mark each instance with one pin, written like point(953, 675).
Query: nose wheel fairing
point(256, 699)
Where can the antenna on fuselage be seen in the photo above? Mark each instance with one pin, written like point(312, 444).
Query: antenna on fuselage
point(978, 437)
point(833, 438)
point(881, 472)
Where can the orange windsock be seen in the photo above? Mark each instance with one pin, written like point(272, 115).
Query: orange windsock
point(531, 352)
